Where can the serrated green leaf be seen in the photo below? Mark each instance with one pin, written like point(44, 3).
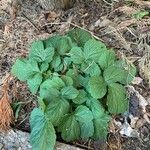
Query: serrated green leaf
point(83, 114)
point(67, 80)
point(92, 69)
point(24, 70)
point(70, 128)
point(44, 66)
point(79, 36)
point(87, 129)
point(129, 71)
point(97, 87)
point(34, 83)
point(56, 110)
point(42, 131)
point(96, 107)
point(93, 50)
point(69, 92)
point(56, 62)
point(77, 55)
point(52, 41)
point(74, 75)
point(101, 127)
point(84, 80)
point(50, 88)
point(140, 14)
point(41, 54)
point(116, 99)
point(67, 61)
point(81, 98)
point(107, 59)
point(64, 45)
point(113, 74)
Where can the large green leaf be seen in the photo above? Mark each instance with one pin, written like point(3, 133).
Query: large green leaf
point(83, 114)
point(70, 128)
point(93, 50)
point(23, 69)
point(97, 87)
point(129, 70)
point(56, 109)
point(42, 131)
point(79, 36)
point(116, 99)
point(77, 55)
point(69, 92)
point(41, 54)
point(81, 98)
point(107, 59)
point(34, 82)
point(113, 74)
point(91, 68)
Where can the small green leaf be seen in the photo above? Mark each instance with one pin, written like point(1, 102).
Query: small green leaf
point(81, 98)
point(70, 128)
point(56, 110)
point(77, 55)
point(92, 69)
point(42, 131)
point(67, 80)
point(69, 92)
point(39, 53)
point(93, 50)
point(44, 66)
point(107, 59)
point(116, 99)
point(97, 87)
point(35, 82)
point(83, 114)
point(52, 41)
point(79, 36)
point(140, 14)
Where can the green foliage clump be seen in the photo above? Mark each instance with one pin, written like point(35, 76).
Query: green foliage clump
point(80, 82)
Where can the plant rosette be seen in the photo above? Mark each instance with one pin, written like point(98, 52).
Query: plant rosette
point(80, 83)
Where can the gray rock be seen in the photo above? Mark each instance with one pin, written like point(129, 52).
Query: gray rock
point(18, 140)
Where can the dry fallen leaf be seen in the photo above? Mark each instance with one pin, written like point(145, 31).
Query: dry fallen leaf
point(6, 112)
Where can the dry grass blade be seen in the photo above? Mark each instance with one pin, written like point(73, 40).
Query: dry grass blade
point(6, 112)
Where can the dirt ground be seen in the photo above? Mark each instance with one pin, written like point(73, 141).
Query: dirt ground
point(113, 23)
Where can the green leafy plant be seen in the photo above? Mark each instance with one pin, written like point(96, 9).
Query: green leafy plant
point(80, 82)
